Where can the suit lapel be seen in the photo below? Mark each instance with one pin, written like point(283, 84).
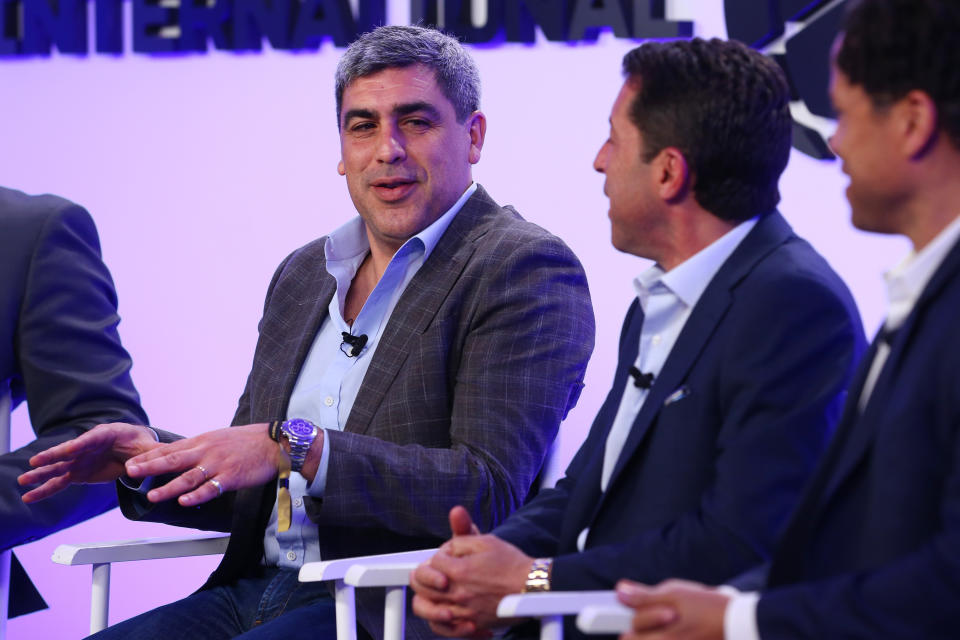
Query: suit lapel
point(864, 430)
point(770, 232)
point(584, 500)
point(419, 303)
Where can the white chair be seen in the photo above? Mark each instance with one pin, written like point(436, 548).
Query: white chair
point(5, 406)
point(102, 555)
point(390, 571)
point(610, 618)
point(552, 606)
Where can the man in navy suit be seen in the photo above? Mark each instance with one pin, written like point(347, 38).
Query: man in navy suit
point(61, 353)
point(873, 550)
point(732, 360)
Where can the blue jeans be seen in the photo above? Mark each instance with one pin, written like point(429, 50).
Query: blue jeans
point(274, 606)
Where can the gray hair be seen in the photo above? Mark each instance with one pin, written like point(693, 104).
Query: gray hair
point(402, 46)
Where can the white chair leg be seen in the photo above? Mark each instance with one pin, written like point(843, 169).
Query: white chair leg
point(100, 597)
point(5, 402)
point(4, 591)
point(395, 613)
point(551, 628)
point(344, 601)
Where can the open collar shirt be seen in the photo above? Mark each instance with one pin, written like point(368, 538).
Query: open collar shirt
point(329, 380)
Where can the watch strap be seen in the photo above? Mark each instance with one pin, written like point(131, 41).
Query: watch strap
point(538, 578)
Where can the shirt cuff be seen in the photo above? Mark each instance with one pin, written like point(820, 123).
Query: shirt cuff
point(140, 486)
point(316, 488)
point(740, 617)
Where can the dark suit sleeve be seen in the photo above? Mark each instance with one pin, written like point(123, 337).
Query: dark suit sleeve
point(71, 367)
point(787, 349)
point(243, 414)
point(535, 528)
point(914, 596)
point(520, 369)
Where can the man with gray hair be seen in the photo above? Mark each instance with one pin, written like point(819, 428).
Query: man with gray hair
point(419, 357)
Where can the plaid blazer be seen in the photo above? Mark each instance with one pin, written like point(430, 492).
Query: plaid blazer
point(481, 359)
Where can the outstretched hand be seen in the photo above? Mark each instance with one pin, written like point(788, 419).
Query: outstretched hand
point(94, 457)
point(210, 464)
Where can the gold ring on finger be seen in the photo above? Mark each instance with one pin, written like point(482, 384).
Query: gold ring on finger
point(217, 484)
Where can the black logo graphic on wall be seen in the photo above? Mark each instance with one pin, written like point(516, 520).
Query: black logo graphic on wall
point(797, 33)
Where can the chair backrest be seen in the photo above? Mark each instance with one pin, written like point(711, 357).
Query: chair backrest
point(5, 405)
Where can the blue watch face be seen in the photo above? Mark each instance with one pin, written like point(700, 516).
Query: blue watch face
point(299, 428)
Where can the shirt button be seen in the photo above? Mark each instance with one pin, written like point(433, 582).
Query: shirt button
point(298, 502)
point(656, 339)
point(291, 556)
point(328, 401)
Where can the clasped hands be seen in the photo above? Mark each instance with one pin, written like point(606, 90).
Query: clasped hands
point(207, 464)
point(459, 588)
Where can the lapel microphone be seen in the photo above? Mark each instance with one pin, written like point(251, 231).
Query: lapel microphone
point(356, 344)
point(640, 380)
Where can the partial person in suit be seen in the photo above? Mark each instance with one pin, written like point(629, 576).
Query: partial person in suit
point(423, 356)
point(59, 351)
point(873, 550)
point(733, 357)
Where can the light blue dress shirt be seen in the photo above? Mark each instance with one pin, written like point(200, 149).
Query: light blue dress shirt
point(329, 379)
point(667, 298)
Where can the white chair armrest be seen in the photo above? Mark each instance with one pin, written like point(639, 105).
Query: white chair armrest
point(554, 603)
point(551, 607)
point(381, 575)
point(337, 569)
point(102, 554)
point(613, 618)
point(146, 549)
point(390, 570)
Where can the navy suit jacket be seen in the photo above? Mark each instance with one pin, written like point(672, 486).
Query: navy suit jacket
point(706, 481)
point(873, 550)
point(60, 351)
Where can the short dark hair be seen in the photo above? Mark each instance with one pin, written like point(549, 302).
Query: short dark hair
point(402, 46)
point(891, 47)
point(726, 107)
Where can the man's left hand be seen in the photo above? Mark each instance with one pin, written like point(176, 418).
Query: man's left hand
point(673, 609)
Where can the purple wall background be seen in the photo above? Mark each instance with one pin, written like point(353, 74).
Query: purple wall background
point(204, 171)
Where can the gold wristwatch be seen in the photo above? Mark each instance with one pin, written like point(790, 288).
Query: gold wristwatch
point(538, 578)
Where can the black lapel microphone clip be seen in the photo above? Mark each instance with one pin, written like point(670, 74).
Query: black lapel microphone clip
point(352, 345)
point(641, 380)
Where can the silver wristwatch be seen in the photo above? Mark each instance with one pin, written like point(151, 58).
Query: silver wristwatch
point(301, 434)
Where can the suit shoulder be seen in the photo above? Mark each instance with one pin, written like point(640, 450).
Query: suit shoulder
point(24, 216)
point(308, 256)
point(796, 265)
point(509, 234)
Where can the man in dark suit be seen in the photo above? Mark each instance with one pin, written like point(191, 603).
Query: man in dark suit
point(438, 341)
point(732, 360)
point(873, 550)
point(59, 351)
